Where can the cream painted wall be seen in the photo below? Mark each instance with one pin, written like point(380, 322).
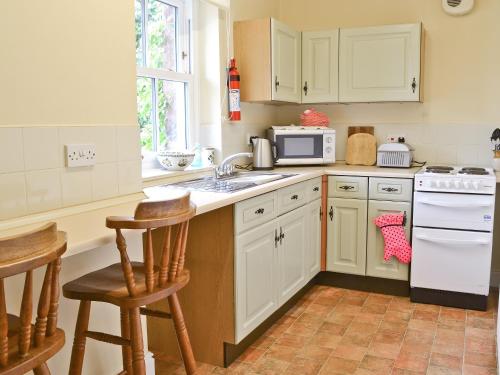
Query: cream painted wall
point(67, 62)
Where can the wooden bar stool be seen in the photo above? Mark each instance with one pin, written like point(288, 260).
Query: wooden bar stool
point(133, 285)
point(24, 346)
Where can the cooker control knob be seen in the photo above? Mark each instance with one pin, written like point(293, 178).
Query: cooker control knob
point(447, 184)
point(475, 185)
point(438, 184)
point(457, 184)
point(466, 184)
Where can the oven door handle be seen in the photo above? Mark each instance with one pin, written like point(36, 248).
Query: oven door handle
point(453, 242)
point(453, 205)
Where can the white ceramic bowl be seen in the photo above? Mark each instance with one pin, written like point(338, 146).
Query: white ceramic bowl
point(175, 160)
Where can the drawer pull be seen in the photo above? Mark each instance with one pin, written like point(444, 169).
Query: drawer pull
point(294, 197)
point(390, 189)
point(276, 238)
point(259, 211)
point(331, 213)
point(316, 188)
point(346, 187)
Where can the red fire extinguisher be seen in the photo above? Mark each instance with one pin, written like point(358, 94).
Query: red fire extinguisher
point(234, 92)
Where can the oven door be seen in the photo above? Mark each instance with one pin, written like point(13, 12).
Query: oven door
point(454, 211)
point(452, 260)
point(303, 148)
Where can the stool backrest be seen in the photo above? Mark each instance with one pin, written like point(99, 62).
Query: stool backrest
point(22, 254)
point(164, 215)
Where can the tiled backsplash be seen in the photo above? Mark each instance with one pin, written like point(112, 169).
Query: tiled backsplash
point(33, 176)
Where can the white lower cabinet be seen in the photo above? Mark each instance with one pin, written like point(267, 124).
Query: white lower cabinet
point(375, 264)
point(313, 245)
point(346, 235)
point(292, 244)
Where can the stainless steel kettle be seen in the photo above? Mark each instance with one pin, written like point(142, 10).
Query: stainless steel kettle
point(263, 154)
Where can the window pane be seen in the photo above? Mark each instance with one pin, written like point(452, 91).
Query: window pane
point(145, 111)
point(171, 114)
point(162, 33)
point(139, 48)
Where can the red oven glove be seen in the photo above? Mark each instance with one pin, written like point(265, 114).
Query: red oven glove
point(396, 244)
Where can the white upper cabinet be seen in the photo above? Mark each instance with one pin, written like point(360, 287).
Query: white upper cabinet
point(320, 66)
point(381, 63)
point(285, 62)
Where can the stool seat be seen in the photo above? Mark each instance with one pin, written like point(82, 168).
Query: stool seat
point(109, 285)
point(36, 356)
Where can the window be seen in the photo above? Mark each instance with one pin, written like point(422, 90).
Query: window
point(164, 78)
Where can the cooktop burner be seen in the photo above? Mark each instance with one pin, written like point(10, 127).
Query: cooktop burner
point(438, 170)
point(474, 171)
point(446, 168)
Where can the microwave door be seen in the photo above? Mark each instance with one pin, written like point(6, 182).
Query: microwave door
point(299, 146)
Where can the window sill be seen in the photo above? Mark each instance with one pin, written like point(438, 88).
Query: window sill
point(153, 174)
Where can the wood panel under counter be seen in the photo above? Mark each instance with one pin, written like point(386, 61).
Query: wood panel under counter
point(208, 299)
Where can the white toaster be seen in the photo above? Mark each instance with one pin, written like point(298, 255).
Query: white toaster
point(397, 155)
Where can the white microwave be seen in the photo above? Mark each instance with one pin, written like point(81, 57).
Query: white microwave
point(298, 145)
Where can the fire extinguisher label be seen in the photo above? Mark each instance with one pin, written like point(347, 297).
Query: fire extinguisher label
point(234, 100)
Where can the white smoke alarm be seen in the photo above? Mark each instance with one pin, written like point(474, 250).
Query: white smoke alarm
point(458, 7)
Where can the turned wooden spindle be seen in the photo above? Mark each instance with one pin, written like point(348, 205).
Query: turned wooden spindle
point(26, 315)
point(54, 298)
point(43, 308)
point(131, 285)
point(4, 328)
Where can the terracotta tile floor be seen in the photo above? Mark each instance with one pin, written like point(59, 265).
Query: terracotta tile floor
point(339, 331)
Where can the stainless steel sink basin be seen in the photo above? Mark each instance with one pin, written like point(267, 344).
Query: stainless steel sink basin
point(241, 181)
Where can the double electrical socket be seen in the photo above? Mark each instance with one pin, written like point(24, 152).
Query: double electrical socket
point(80, 155)
point(394, 138)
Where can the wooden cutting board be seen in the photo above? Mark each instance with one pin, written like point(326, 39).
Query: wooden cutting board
point(360, 129)
point(361, 149)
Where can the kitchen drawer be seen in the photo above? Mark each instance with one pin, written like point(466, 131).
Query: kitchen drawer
point(391, 189)
point(292, 197)
point(255, 211)
point(348, 187)
point(313, 189)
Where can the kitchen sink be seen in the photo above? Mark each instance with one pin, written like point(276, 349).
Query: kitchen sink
point(240, 181)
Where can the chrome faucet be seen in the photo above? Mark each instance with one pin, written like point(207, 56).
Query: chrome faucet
point(225, 169)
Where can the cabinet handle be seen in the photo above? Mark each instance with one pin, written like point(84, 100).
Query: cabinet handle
point(276, 83)
point(414, 85)
point(281, 236)
point(321, 214)
point(331, 213)
point(390, 189)
point(316, 188)
point(305, 88)
point(276, 238)
point(294, 197)
point(346, 187)
point(259, 211)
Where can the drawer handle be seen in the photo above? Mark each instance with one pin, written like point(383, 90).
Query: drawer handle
point(294, 197)
point(259, 211)
point(346, 187)
point(316, 188)
point(331, 213)
point(390, 189)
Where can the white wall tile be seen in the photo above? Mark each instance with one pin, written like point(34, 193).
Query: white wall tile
point(13, 196)
point(11, 150)
point(43, 190)
point(129, 177)
point(76, 186)
point(128, 143)
point(42, 149)
point(104, 181)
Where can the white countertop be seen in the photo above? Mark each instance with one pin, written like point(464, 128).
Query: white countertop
point(86, 228)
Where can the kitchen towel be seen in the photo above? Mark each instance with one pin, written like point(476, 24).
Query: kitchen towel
point(396, 244)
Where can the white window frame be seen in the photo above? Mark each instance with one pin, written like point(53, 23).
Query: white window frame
point(184, 45)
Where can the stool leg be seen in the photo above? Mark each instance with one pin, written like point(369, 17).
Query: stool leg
point(82, 324)
point(182, 334)
point(138, 363)
point(41, 370)
point(126, 350)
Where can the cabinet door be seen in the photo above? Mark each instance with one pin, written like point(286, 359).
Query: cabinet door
point(380, 63)
point(255, 279)
point(286, 63)
point(291, 253)
point(320, 66)
point(313, 239)
point(346, 243)
point(375, 263)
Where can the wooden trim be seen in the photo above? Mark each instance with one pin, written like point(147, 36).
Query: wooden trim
point(364, 283)
point(106, 337)
point(324, 220)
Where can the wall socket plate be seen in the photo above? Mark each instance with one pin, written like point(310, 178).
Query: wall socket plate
point(393, 138)
point(80, 155)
